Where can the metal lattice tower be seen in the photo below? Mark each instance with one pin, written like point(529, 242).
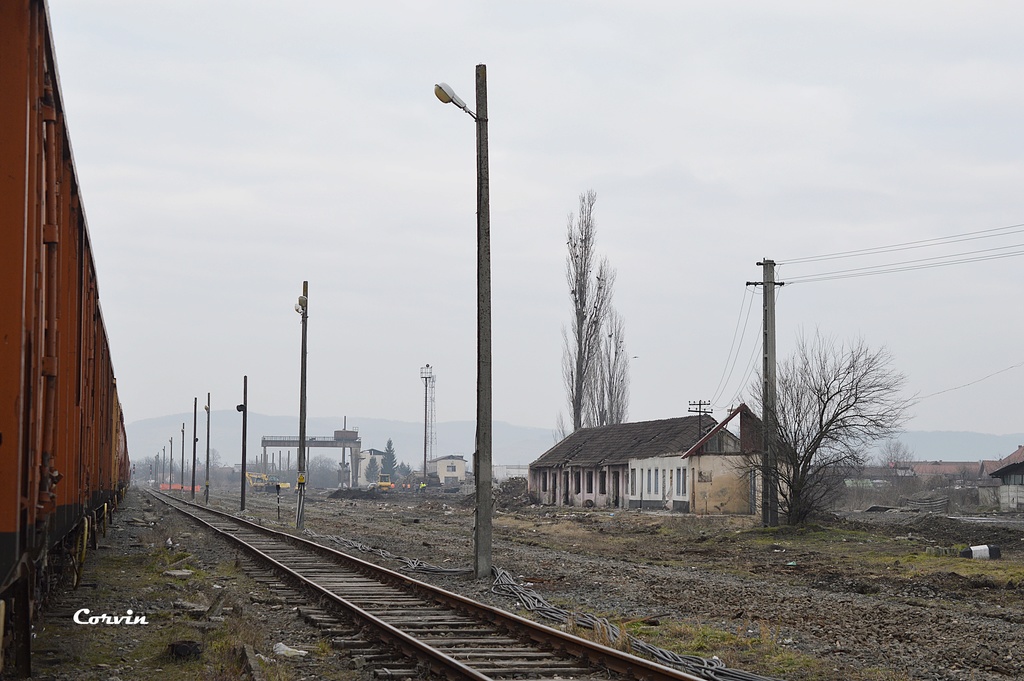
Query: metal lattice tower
point(429, 416)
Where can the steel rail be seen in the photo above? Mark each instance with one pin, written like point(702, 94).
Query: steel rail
point(591, 653)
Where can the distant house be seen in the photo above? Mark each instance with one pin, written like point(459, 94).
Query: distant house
point(1010, 472)
point(683, 464)
point(952, 473)
point(450, 470)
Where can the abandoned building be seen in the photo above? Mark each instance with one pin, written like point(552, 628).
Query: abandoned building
point(686, 464)
point(1010, 471)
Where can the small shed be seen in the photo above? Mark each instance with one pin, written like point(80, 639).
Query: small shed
point(1010, 471)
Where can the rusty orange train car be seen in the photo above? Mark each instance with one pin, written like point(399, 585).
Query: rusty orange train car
point(63, 453)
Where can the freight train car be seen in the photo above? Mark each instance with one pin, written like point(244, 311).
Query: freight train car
point(63, 455)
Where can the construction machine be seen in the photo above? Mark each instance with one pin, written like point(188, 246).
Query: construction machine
point(384, 483)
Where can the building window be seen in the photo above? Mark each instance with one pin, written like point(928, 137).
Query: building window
point(590, 482)
point(704, 476)
point(451, 468)
point(679, 482)
point(650, 473)
point(576, 480)
point(632, 482)
point(544, 481)
point(602, 482)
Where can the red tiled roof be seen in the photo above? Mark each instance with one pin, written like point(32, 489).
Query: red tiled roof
point(1011, 460)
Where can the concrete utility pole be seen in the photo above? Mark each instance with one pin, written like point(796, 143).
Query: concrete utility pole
point(182, 458)
point(769, 463)
point(195, 441)
point(482, 455)
point(426, 374)
point(302, 308)
point(206, 489)
point(482, 464)
point(244, 408)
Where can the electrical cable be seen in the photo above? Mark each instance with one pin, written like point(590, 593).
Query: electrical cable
point(728, 369)
point(712, 669)
point(908, 265)
point(922, 243)
point(983, 378)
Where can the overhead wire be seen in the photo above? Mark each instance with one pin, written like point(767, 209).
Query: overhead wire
point(910, 265)
point(728, 369)
point(965, 385)
point(980, 255)
point(921, 243)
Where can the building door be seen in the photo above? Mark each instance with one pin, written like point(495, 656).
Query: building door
point(565, 488)
point(615, 489)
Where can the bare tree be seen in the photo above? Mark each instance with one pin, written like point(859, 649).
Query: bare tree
point(322, 472)
point(611, 391)
point(833, 400)
point(895, 456)
point(591, 294)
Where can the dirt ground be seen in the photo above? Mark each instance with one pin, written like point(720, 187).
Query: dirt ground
point(854, 598)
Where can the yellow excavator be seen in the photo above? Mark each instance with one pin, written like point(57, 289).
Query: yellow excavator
point(261, 482)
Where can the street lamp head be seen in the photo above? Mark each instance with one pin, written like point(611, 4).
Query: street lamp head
point(240, 408)
point(445, 93)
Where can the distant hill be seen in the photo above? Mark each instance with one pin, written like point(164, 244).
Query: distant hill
point(511, 445)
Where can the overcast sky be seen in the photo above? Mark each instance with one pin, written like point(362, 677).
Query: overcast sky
point(227, 151)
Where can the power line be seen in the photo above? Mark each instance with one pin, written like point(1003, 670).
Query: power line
point(922, 243)
point(751, 364)
point(965, 385)
point(731, 359)
point(910, 265)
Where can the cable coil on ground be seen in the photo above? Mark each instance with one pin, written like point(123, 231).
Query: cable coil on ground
point(712, 669)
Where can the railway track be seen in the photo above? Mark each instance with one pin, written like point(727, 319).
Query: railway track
point(418, 628)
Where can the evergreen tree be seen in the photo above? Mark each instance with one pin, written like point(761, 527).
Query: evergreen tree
point(372, 471)
point(389, 462)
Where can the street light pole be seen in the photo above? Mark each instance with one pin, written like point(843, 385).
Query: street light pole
point(302, 308)
point(195, 441)
point(482, 455)
point(182, 458)
point(206, 491)
point(425, 374)
point(244, 408)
